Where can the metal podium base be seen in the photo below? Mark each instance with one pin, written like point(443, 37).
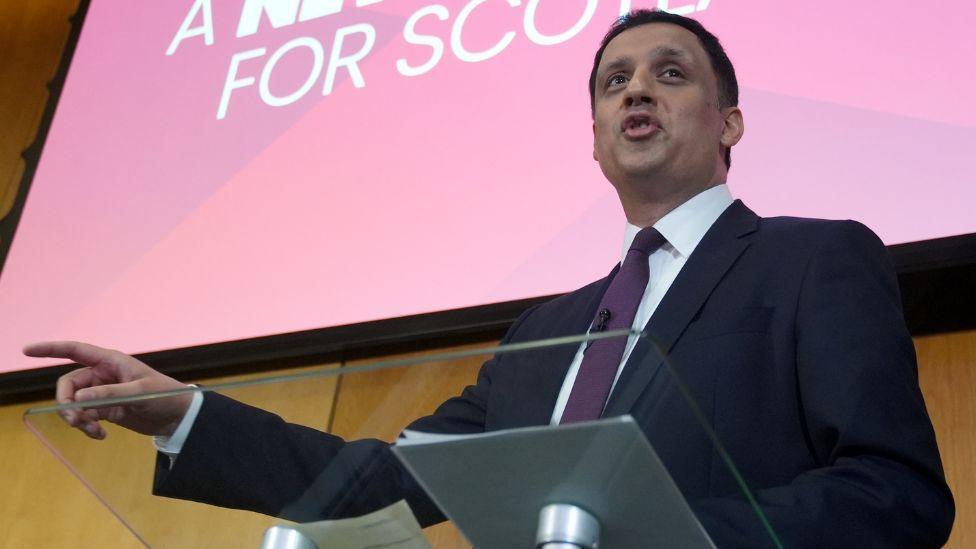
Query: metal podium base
point(564, 526)
point(286, 537)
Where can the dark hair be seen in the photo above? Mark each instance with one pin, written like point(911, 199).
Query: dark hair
point(728, 86)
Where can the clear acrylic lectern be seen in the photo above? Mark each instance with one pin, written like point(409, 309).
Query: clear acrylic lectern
point(582, 485)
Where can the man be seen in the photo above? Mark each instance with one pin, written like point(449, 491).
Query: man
point(787, 332)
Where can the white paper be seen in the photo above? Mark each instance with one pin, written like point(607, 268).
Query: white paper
point(392, 527)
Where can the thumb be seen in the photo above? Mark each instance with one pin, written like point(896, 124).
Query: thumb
point(114, 390)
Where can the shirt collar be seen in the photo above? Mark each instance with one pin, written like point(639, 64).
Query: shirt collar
point(685, 226)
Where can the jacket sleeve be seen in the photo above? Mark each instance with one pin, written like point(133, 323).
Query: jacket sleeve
point(242, 457)
point(880, 481)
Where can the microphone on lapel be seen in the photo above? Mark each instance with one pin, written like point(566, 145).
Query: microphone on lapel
point(599, 324)
point(602, 318)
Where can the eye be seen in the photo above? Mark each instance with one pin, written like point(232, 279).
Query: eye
point(672, 73)
point(616, 80)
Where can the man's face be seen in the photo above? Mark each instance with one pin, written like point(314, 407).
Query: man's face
point(656, 115)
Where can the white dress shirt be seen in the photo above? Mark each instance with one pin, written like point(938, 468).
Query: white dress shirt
point(172, 444)
point(683, 228)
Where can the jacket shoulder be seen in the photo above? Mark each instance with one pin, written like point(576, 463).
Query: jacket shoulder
point(796, 226)
point(813, 234)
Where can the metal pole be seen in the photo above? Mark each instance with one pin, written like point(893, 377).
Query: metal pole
point(564, 526)
point(286, 537)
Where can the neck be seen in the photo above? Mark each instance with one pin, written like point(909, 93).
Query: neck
point(644, 209)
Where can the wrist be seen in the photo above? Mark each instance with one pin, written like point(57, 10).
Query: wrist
point(171, 440)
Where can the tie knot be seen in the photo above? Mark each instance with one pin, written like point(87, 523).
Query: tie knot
point(647, 240)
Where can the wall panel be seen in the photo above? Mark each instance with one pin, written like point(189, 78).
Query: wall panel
point(32, 37)
point(39, 492)
point(947, 375)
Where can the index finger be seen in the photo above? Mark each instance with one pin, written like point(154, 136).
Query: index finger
point(76, 351)
point(69, 383)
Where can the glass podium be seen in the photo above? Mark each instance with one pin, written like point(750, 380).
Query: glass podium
point(240, 454)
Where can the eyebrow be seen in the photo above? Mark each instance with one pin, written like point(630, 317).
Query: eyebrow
point(666, 52)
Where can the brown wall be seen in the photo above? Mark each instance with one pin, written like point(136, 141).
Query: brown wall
point(947, 374)
point(32, 36)
point(44, 506)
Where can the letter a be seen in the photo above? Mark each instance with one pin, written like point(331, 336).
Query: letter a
point(186, 31)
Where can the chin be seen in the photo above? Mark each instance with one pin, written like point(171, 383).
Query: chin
point(643, 169)
point(635, 167)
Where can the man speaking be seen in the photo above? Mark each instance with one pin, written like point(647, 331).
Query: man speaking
point(788, 332)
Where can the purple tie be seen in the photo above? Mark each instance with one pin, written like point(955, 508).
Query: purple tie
point(616, 312)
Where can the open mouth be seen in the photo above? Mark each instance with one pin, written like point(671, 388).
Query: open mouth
point(639, 125)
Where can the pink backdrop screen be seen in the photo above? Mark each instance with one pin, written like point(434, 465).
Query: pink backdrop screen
point(224, 170)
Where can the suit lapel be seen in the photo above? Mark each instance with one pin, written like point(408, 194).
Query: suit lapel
point(708, 264)
point(546, 376)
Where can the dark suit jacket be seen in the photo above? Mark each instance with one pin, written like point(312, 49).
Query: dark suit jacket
point(787, 333)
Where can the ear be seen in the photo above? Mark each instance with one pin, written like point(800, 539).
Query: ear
point(595, 157)
point(733, 129)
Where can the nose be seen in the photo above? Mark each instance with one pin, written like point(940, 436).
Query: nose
point(638, 90)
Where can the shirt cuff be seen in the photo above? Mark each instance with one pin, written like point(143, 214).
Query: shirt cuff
point(173, 444)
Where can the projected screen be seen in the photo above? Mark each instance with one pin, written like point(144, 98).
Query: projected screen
point(232, 169)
